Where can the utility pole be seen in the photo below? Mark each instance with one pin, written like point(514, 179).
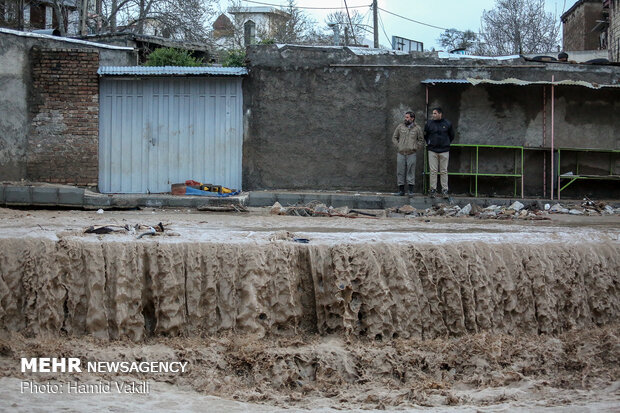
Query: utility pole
point(83, 30)
point(375, 22)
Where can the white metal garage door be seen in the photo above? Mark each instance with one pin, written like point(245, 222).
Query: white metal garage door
point(157, 131)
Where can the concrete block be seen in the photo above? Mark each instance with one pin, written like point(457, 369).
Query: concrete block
point(151, 202)
point(344, 200)
point(289, 199)
point(181, 201)
point(44, 195)
point(369, 202)
point(244, 199)
point(71, 196)
point(17, 195)
point(395, 201)
point(321, 198)
point(97, 201)
point(261, 199)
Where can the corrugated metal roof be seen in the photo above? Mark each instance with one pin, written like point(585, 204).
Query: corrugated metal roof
point(520, 82)
point(64, 39)
point(170, 70)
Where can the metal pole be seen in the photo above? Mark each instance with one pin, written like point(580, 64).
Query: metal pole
point(375, 22)
point(552, 132)
point(20, 15)
point(544, 141)
point(84, 17)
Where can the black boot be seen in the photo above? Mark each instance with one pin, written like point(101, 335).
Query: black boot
point(401, 190)
point(410, 190)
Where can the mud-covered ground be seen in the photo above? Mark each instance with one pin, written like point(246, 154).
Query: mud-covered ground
point(490, 370)
point(484, 372)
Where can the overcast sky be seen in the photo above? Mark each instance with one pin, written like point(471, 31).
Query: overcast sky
point(459, 14)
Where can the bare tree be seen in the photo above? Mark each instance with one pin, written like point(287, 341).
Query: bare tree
point(354, 28)
point(455, 39)
point(177, 19)
point(518, 27)
point(296, 29)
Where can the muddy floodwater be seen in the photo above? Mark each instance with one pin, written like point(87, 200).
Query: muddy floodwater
point(323, 313)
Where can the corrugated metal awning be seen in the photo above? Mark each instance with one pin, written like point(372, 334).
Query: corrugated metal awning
point(519, 82)
point(170, 70)
point(435, 81)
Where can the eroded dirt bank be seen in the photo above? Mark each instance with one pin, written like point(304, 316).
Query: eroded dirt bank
point(380, 290)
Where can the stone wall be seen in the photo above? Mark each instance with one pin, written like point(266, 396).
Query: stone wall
point(322, 118)
point(63, 139)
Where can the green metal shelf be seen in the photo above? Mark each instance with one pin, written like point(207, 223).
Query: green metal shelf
point(474, 165)
point(613, 175)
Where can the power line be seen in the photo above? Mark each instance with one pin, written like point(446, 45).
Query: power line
point(300, 7)
point(383, 28)
point(351, 23)
point(411, 20)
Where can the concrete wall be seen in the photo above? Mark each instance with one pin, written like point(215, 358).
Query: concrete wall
point(322, 118)
point(16, 84)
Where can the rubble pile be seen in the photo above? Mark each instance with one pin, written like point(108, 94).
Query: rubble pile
point(316, 209)
point(516, 210)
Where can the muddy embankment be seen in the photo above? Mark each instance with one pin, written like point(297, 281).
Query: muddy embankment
point(134, 290)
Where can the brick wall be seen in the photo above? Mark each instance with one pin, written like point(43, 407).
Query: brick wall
point(613, 43)
point(64, 108)
point(577, 27)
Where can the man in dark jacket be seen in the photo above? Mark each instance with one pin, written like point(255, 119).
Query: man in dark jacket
point(438, 134)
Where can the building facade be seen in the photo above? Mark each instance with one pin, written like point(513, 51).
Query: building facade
point(40, 15)
point(614, 30)
point(580, 26)
point(249, 25)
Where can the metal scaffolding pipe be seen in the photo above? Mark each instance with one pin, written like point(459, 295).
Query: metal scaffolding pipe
point(552, 130)
point(544, 142)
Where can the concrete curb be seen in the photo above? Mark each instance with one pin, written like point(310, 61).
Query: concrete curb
point(375, 201)
point(79, 198)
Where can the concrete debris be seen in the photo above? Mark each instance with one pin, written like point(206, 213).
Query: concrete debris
point(321, 209)
point(558, 208)
point(276, 208)
point(494, 208)
point(316, 209)
point(517, 210)
point(608, 210)
point(517, 206)
point(406, 209)
point(465, 211)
